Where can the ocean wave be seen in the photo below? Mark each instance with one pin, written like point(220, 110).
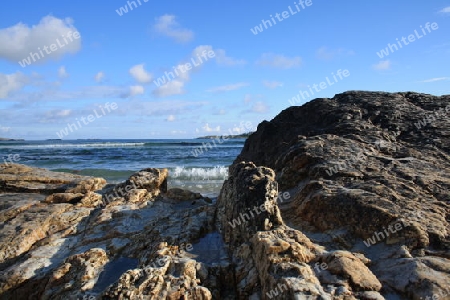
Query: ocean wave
point(185, 144)
point(89, 145)
point(112, 176)
point(193, 173)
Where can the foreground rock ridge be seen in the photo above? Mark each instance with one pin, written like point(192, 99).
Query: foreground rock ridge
point(341, 198)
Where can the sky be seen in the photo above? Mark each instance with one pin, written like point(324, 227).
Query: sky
point(148, 69)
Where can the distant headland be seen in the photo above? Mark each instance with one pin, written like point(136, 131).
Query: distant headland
point(239, 136)
point(11, 140)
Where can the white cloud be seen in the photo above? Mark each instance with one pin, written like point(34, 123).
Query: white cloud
point(259, 107)
point(437, 79)
point(16, 42)
point(220, 112)
point(160, 108)
point(171, 118)
point(4, 129)
point(227, 88)
point(139, 74)
point(136, 90)
point(272, 84)
point(198, 51)
point(55, 115)
point(90, 92)
point(178, 132)
point(99, 77)
point(64, 113)
point(279, 61)
point(11, 83)
point(382, 65)
point(62, 73)
point(167, 25)
point(445, 10)
point(209, 129)
point(174, 87)
point(224, 60)
point(324, 53)
point(220, 56)
point(12, 88)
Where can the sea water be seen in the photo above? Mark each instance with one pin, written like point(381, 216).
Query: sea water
point(116, 160)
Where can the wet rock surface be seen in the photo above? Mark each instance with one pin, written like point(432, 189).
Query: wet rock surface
point(342, 198)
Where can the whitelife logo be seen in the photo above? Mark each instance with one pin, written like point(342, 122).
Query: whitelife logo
point(124, 9)
point(319, 87)
point(183, 68)
point(53, 47)
point(391, 48)
point(91, 118)
point(284, 15)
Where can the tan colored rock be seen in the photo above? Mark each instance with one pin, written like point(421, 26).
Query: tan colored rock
point(21, 233)
point(135, 196)
point(91, 200)
point(64, 198)
point(141, 186)
point(23, 179)
point(349, 266)
point(77, 274)
point(182, 195)
point(88, 185)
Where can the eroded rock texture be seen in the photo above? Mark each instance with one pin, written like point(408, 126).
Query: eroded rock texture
point(63, 237)
point(343, 198)
point(366, 165)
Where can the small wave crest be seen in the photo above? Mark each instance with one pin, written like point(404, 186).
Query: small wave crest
point(193, 173)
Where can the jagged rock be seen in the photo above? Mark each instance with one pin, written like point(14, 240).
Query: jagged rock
point(68, 246)
point(277, 260)
point(248, 200)
point(16, 178)
point(356, 166)
point(182, 195)
point(88, 185)
point(64, 198)
point(77, 273)
point(348, 265)
point(143, 185)
point(91, 200)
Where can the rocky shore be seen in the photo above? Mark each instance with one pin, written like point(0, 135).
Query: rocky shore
point(341, 198)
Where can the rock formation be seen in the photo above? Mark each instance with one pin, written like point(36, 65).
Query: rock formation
point(64, 237)
point(342, 198)
point(368, 173)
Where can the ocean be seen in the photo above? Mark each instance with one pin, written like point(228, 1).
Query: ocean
point(116, 160)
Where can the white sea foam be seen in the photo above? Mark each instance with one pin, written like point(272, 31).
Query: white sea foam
point(214, 173)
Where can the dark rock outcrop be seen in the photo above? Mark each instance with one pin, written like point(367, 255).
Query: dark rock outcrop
point(368, 172)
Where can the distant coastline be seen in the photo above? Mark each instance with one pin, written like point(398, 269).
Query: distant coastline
point(11, 140)
point(239, 136)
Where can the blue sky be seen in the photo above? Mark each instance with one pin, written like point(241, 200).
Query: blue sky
point(250, 78)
